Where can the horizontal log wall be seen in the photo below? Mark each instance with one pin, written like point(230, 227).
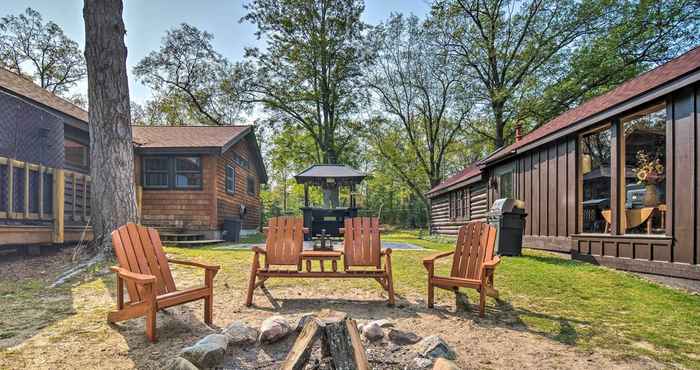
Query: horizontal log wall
point(442, 223)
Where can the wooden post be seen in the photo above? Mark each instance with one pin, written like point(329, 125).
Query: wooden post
point(41, 192)
point(139, 199)
point(74, 190)
point(59, 192)
point(10, 195)
point(26, 190)
point(306, 195)
point(85, 198)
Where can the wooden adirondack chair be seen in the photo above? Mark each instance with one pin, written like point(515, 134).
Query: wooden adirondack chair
point(473, 263)
point(362, 248)
point(283, 247)
point(144, 268)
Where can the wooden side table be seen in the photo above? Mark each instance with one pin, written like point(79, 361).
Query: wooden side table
point(321, 256)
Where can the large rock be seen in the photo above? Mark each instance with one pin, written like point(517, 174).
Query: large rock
point(239, 333)
point(179, 363)
point(208, 352)
point(372, 331)
point(403, 337)
point(445, 364)
point(434, 347)
point(274, 329)
point(419, 363)
point(384, 323)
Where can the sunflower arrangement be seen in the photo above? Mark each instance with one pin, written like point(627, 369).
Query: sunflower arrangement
point(649, 168)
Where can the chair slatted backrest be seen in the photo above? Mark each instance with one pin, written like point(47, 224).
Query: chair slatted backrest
point(475, 244)
point(285, 241)
point(362, 242)
point(139, 250)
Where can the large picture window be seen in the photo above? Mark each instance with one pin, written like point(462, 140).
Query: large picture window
point(645, 171)
point(172, 172)
point(594, 162)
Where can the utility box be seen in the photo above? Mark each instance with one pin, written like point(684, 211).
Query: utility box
point(231, 231)
point(508, 216)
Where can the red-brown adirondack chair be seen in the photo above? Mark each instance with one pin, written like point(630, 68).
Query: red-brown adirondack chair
point(283, 247)
point(144, 268)
point(473, 263)
point(362, 247)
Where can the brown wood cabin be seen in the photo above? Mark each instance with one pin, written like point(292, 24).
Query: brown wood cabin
point(192, 178)
point(44, 166)
point(613, 181)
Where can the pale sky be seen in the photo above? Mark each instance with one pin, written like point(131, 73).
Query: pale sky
point(147, 20)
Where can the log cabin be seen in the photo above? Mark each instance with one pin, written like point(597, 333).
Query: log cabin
point(190, 179)
point(613, 181)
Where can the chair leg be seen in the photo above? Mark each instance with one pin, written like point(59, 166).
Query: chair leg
point(482, 301)
point(389, 280)
point(151, 310)
point(431, 294)
point(251, 281)
point(209, 300)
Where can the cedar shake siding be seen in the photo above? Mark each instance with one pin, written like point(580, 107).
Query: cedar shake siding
point(229, 204)
point(546, 169)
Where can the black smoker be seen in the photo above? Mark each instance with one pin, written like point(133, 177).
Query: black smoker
point(508, 216)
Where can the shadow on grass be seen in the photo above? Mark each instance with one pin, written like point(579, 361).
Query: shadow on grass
point(28, 304)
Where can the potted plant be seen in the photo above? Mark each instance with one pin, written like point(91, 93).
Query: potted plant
point(649, 172)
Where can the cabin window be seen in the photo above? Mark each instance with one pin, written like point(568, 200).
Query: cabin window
point(188, 172)
point(251, 185)
point(505, 185)
point(166, 172)
point(76, 154)
point(230, 179)
point(156, 172)
point(644, 167)
point(594, 163)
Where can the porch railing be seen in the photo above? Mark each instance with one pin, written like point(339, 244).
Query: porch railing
point(32, 193)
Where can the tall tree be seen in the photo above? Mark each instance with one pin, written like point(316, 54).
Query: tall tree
point(188, 69)
point(506, 43)
point(309, 72)
point(422, 101)
point(39, 50)
point(113, 196)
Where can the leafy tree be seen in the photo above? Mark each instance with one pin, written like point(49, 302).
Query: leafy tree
point(309, 72)
point(637, 36)
point(187, 70)
point(113, 195)
point(422, 101)
point(39, 50)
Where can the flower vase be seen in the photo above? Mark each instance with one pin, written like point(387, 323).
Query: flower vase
point(650, 197)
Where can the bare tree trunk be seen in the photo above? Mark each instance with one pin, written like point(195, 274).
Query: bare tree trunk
point(111, 148)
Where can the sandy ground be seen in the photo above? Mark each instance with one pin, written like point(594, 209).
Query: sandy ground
point(78, 335)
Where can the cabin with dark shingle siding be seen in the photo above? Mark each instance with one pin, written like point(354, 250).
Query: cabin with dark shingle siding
point(585, 182)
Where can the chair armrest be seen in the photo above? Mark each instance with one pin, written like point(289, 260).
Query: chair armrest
point(386, 252)
point(490, 265)
point(132, 276)
point(257, 249)
point(194, 264)
point(427, 261)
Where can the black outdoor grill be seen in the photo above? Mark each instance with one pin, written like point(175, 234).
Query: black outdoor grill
point(325, 222)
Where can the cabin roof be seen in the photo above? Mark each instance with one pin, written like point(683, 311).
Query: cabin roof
point(461, 176)
point(682, 65)
point(25, 87)
point(161, 137)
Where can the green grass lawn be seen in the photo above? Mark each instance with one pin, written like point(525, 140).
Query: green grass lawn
point(575, 303)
